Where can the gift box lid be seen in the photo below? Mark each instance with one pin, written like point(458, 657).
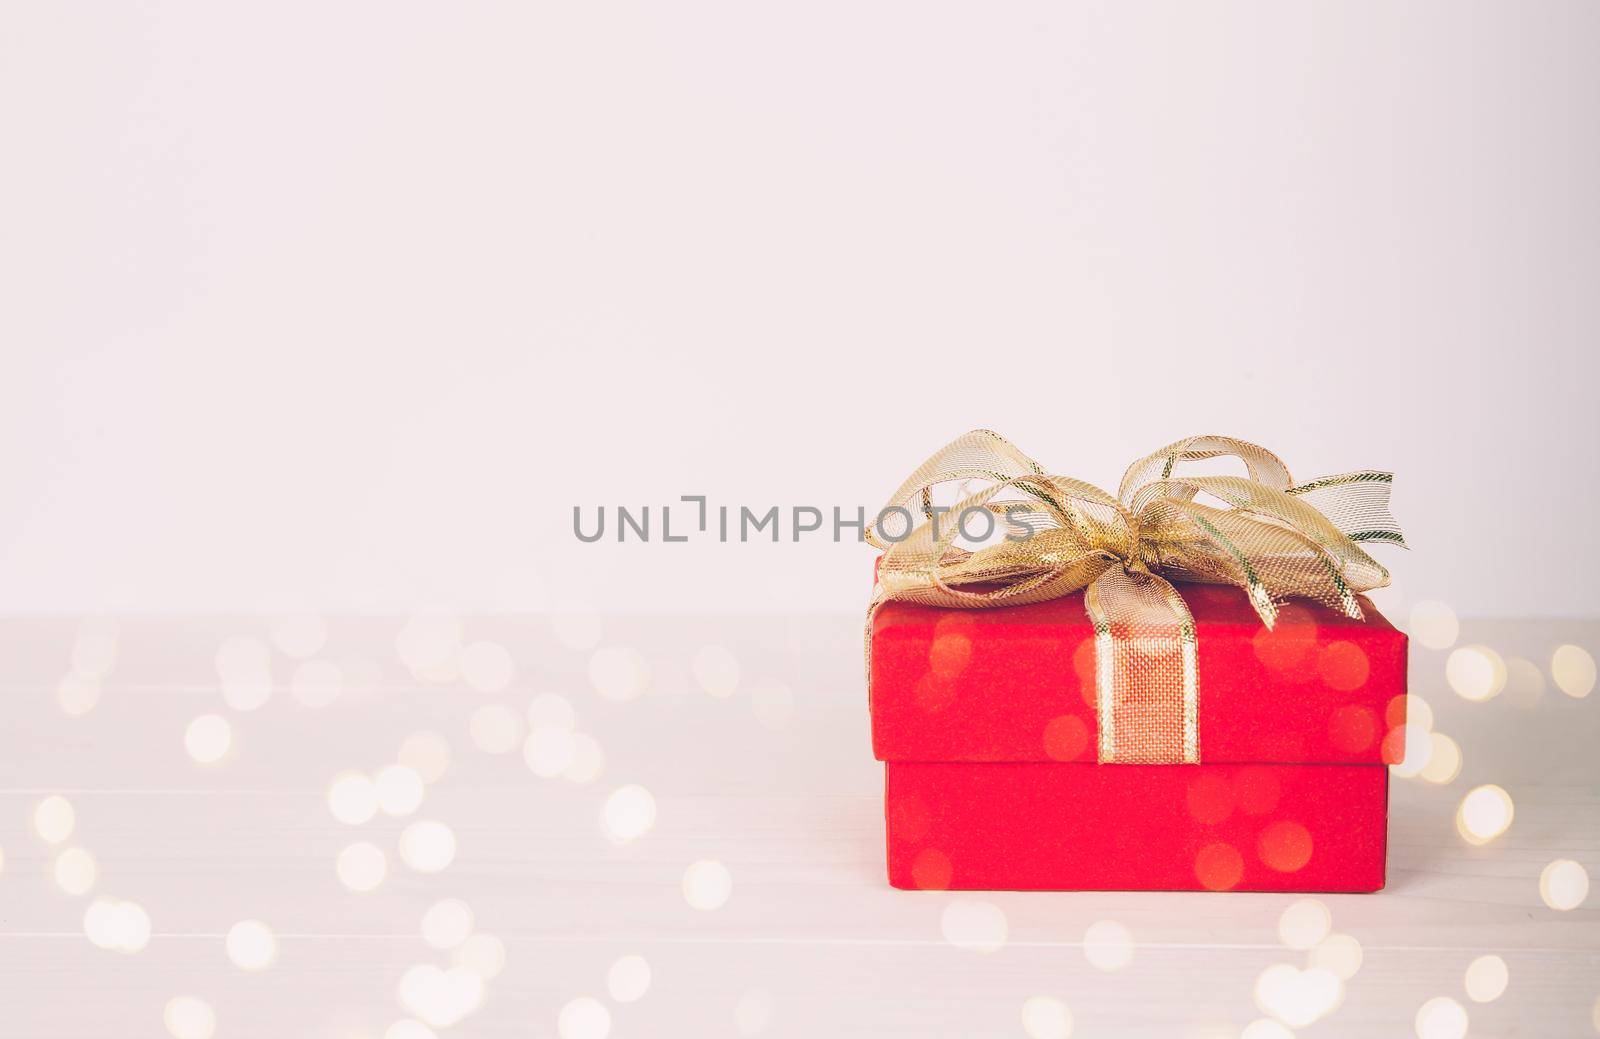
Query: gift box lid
point(1017, 683)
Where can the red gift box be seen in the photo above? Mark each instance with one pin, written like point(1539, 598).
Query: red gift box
point(985, 720)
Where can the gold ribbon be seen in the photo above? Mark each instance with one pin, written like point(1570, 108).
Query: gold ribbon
point(1270, 537)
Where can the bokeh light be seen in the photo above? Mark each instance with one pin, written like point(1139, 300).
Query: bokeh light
point(189, 1018)
point(707, 884)
point(1564, 884)
point(483, 954)
point(716, 670)
point(447, 924)
point(629, 813)
point(1304, 923)
point(78, 694)
point(975, 925)
point(1045, 1017)
point(244, 665)
point(74, 871)
point(361, 866)
point(1108, 945)
point(1298, 997)
point(548, 751)
point(1434, 625)
point(628, 979)
point(251, 945)
point(588, 760)
point(487, 667)
point(1339, 953)
point(120, 926)
point(496, 729)
point(1486, 979)
point(54, 819)
point(428, 753)
point(1572, 670)
point(1476, 673)
point(552, 711)
point(427, 846)
point(618, 672)
point(1285, 846)
point(1485, 813)
point(584, 1018)
point(1524, 683)
point(352, 798)
point(409, 1029)
point(317, 683)
point(94, 648)
point(1265, 1028)
point(208, 739)
point(300, 636)
point(441, 998)
point(1444, 759)
point(1441, 1018)
point(753, 1013)
point(399, 790)
point(1218, 866)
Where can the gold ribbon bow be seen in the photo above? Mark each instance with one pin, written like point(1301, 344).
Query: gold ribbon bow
point(1272, 538)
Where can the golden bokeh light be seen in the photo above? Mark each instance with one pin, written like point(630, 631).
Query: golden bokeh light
point(74, 871)
point(1108, 945)
point(483, 954)
point(1524, 683)
point(487, 667)
point(1572, 670)
point(618, 672)
point(54, 819)
point(399, 790)
point(427, 752)
point(753, 1013)
point(1339, 953)
point(1486, 979)
point(1476, 673)
point(1485, 813)
point(496, 729)
point(1298, 997)
point(317, 683)
point(1444, 759)
point(441, 998)
point(119, 926)
point(447, 924)
point(1045, 1017)
point(629, 813)
point(588, 760)
point(78, 694)
point(628, 979)
point(361, 866)
point(707, 885)
point(1265, 1028)
point(427, 846)
point(1564, 884)
point(1441, 1018)
point(300, 636)
point(189, 1018)
point(251, 945)
point(1304, 923)
point(716, 670)
point(1434, 625)
point(244, 666)
point(352, 797)
point(584, 1018)
point(208, 738)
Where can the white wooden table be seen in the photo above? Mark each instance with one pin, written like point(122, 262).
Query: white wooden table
point(774, 781)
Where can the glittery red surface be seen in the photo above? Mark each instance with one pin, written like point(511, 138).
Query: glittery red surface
point(986, 721)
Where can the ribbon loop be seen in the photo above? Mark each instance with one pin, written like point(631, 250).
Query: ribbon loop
point(1274, 539)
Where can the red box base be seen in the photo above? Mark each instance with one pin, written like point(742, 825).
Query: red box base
point(1041, 826)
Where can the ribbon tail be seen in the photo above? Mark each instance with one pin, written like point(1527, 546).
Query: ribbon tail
point(1357, 504)
point(1147, 697)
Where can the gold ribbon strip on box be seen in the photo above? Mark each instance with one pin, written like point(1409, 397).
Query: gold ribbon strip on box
point(1271, 537)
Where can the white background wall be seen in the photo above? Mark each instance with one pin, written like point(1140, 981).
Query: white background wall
point(344, 306)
